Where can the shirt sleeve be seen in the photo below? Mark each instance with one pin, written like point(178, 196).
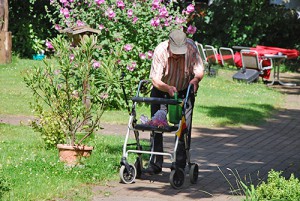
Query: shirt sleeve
point(158, 64)
point(198, 63)
point(199, 66)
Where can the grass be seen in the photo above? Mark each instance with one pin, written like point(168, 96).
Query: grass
point(224, 102)
point(34, 173)
point(15, 97)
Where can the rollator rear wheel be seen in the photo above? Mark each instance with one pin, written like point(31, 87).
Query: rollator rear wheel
point(177, 178)
point(127, 177)
point(194, 170)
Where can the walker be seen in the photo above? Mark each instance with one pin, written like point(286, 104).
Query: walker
point(129, 172)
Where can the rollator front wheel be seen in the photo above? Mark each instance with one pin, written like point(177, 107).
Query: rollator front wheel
point(127, 177)
point(194, 171)
point(177, 178)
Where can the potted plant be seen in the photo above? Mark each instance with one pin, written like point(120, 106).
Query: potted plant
point(68, 103)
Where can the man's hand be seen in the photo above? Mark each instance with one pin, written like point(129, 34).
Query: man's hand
point(195, 82)
point(163, 86)
point(171, 90)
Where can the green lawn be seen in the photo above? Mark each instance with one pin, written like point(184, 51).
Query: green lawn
point(15, 97)
point(34, 173)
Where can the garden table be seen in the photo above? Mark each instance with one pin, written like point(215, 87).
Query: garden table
point(277, 59)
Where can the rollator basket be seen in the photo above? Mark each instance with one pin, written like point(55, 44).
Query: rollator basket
point(175, 112)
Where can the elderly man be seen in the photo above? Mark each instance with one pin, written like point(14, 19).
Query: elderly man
point(176, 64)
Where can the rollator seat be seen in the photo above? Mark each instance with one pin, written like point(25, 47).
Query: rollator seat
point(146, 127)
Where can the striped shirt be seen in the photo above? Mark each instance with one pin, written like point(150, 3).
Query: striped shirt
point(176, 72)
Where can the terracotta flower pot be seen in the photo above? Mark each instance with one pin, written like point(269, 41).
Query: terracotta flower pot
point(71, 155)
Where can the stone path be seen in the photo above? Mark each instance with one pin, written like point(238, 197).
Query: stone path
point(249, 151)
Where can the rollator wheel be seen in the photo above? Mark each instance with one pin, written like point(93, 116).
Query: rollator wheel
point(177, 178)
point(138, 167)
point(194, 171)
point(127, 177)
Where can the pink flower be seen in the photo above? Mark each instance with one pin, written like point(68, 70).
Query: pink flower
point(65, 12)
point(101, 26)
point(120, 4)
point(65, 2)
point(57, 27)
point(163, 12)
point(179, 20)
point(142, 56)
point(134, 20)
point(96, 64)
point(72, 56)
point(110, 13)
point(167, 23)
point(79, 23)
point(155, 22)
point(190, 9)
point(150, 54)
point(155, 4)
point(127, 47)
point(99, 2)
point(132, 66)
point(191, 29)
point(49, 45)
point(56, 72)
point(104, 96)
point(130, 13)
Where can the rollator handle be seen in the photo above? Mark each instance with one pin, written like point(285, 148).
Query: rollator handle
point(153, 100)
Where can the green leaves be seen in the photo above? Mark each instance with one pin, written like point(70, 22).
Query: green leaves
point(68, 90)
point(279, 188)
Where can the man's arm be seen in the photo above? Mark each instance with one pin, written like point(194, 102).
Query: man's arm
point(198, 67)
point(195, 81)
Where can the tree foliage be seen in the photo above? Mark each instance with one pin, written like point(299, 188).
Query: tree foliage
point(248, 23)
point(29, 26)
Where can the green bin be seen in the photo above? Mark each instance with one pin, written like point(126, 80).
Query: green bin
point(175, 111)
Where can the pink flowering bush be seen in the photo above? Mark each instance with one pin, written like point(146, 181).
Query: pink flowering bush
point(130, 31)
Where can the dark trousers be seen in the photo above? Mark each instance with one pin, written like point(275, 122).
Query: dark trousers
point(156, 138)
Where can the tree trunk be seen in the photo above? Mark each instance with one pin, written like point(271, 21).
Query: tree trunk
point(5, 36)
point(5, 47)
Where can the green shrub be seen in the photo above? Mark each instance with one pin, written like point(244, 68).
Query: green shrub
point(130, 31)
point(49, 128)
point(279, 188)
point(276, 188)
